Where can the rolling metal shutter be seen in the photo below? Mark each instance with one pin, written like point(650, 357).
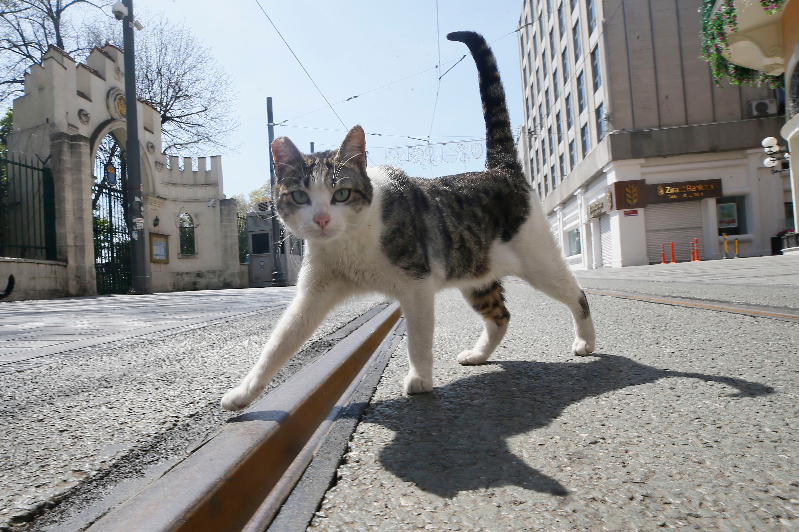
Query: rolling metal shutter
point(676, 222)
point(605, 241)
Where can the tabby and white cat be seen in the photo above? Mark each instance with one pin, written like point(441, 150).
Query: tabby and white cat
point(377, 230)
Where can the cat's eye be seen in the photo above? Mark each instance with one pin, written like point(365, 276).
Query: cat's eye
point(341, 195)
point(300, 197)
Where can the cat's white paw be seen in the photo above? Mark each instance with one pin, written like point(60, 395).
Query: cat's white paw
point(582, 347)
point(237, 398)
point(470, 358)
point(416, 384)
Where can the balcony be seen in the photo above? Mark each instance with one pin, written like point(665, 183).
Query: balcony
point(758, 43)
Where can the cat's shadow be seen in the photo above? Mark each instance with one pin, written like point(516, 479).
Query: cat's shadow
point(454, 439)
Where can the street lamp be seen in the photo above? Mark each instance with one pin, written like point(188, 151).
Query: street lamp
point(776, 154)
point(133, 195)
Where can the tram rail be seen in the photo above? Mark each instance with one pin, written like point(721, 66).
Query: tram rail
point(239, 478)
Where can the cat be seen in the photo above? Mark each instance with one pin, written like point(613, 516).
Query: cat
point(377, 230)
point(9, 288)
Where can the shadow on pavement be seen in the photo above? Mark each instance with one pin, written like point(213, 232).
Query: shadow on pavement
point(454, 438)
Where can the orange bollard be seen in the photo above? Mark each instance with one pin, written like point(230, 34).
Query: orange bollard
point(663, 253)
point(691, 245)
point(696, 247)
point(672, 254)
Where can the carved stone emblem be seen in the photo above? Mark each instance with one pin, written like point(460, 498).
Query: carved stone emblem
point(150, 148)
point(115, 101)
point(84, 116)
point(119, 74)
point(159, 166)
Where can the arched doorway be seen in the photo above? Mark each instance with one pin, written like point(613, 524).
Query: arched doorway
point(109, 215)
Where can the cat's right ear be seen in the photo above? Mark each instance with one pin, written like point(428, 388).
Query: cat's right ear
point(286, 155)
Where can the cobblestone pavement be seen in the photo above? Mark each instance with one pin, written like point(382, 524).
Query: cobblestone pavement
point(685, 419)
point(35, 332)
point(75, 430)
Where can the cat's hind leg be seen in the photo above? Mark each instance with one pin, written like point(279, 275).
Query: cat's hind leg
point(489, 302)
point(555, 279)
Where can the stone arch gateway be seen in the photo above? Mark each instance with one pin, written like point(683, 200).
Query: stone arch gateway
point(68, 108)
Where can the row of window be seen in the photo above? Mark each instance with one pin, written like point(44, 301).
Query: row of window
point(545, 102)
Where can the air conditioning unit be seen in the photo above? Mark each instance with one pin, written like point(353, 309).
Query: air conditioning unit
point(764, 107)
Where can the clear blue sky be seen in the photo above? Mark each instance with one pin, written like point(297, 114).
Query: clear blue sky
point(350, 47)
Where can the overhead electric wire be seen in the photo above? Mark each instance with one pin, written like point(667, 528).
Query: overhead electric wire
point(300, 63)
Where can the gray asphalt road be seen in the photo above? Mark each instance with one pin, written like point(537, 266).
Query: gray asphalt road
point(98, 421)
point(685, 419)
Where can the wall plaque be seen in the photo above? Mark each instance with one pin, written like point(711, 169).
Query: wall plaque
point(629, 194)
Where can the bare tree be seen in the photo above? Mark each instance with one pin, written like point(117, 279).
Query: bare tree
point(180, 78)
point(29, 27)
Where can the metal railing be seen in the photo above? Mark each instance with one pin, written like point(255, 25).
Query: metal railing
point(27, 209)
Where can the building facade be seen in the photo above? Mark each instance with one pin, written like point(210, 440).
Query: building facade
point(631, 145)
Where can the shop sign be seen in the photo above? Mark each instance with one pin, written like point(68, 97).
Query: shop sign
point(601, 205)
point(684, 191)
point(727, 215)
point(633, 212)
point(629, 194)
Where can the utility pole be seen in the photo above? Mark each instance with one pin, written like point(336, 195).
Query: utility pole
point(278, 275)
point(138, 272)
point(312, 147)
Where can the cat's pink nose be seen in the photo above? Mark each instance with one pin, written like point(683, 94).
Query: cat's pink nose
point(321, 220)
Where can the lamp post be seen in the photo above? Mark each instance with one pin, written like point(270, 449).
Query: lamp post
point(776, 154)
point(278, 275)
point(124, 11)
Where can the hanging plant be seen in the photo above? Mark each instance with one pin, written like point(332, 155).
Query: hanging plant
point(772, 6)
point(715, 28)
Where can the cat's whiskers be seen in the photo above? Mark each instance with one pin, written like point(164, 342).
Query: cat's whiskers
point(340, 166)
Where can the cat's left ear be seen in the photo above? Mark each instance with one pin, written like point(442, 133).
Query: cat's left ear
point(353, 149)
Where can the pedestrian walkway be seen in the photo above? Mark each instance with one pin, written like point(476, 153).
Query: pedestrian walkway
point(32, 331)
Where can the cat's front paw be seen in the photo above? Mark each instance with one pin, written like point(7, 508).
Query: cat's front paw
point(470, 358)
point(237, 398)
point(582, 347)
point(416, 384)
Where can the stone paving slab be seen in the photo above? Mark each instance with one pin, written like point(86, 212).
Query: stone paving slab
point(686, 419)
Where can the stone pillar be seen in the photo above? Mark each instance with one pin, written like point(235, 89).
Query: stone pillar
point(229, 234)
point(559, 214)
point(710, 222)
point(585, 250)
point(72, 174)
point(628, 232)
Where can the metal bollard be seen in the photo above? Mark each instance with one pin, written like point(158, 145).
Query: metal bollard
point(725, 245)
point(736, 248)
point(663, 253)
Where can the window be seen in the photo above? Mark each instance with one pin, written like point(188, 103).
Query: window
point(546, 185)
point(569, 117)
point(524, 69)
point(527, 27)
point(546, 100)
point(535, 45)
point(521, 33)
point(600, 121)
point(591, 8)
point(595, 66)
point(540, 116)
point(578, 48)
point(549, 7)
point(537, 162)
point(544, 64)
point(788, 217)
point(565, 58)
point(731, 215)
point(574, 242)
point(532, 168)
point(560, 128)
point(186, 230)
point(535, 122)
point(554, 176)
point(539, 190)
point(541, 28)
point(585, 140)
point(260, 244)
point(537, 79)
point(551, 146)
point(581, 98)
point(561, 21)
point(572, 155)
point(552, 48)
point(562, 161)
point(555, 83)
point(526, 102)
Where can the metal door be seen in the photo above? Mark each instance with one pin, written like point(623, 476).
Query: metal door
point(111, 235)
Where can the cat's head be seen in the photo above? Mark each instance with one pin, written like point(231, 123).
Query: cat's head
point(323, 195)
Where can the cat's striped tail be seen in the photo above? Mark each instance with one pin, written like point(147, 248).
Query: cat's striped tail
point(500, 148)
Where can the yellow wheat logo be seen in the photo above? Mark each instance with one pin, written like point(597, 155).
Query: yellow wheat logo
point(631, 194)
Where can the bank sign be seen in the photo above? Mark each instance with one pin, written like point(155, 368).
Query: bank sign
point(638, 194)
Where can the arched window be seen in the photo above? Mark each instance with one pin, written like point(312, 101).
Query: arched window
point(186, 227)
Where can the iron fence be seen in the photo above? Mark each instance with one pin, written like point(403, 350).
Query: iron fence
point(27, 209)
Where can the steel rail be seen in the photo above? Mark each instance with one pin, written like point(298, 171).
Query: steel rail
point(222, 485)
point(760, 311)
